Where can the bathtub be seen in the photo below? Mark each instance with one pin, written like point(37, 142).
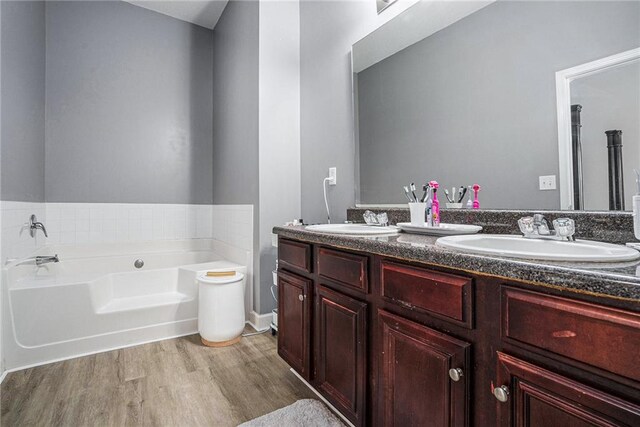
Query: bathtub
point(95, 299)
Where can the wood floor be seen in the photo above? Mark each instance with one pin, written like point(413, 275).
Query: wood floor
point(177, 382)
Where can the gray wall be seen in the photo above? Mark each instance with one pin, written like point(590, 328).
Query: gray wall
point(128, 111)
point(327, 31)
point(235, 116)
point(610, 100)
point(235, 98)
point(476, 101)
point(22, 84)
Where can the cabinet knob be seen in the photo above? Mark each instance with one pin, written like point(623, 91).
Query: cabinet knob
point(301, 297)
point(501, 393)
point(455, 374)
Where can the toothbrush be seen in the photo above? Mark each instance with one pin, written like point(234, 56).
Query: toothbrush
point(435, 207)
point(446, 193)
point(429, 207)
point(470, 200)
point(413, 192)
point(476, 202)
point(453, 194)
point(463, 191)
point(406, 194)
point(424, 193)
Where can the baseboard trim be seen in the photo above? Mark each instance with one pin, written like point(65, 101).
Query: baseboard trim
point(321, 397)
point(260, 322)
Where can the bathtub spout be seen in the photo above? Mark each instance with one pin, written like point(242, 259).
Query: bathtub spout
point(46, 259)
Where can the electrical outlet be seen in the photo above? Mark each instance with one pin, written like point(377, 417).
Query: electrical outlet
point(547, 182)
point(332, 176)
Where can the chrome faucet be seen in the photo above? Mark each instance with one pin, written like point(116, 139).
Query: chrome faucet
point(542, 225)
point(371, 218)
point(34, 226)
point(539, 227)
point(46, 259)
point(39, 260)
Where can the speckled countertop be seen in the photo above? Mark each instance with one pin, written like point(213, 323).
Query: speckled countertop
point(617, 280)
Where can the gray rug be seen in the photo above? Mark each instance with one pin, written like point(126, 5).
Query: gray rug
point(305, 412)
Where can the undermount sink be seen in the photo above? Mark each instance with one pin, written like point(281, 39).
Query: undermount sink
point(353, 229)
point(549, 250)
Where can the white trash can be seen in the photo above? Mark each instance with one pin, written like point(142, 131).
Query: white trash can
point(221, 309)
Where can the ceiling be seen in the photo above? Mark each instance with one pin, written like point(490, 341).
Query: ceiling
point(200, 12)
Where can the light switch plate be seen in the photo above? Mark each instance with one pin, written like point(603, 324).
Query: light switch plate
point(547, 182)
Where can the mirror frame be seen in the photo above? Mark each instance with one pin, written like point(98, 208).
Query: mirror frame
point(563, 100)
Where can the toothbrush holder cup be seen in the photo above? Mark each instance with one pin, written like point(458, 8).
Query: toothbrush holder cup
point(453, 205)
point(418, 213)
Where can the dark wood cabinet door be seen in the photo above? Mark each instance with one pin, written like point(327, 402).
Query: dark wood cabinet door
point(415, 388)
point(538, 397)
point(341, 363)
point(294, 322)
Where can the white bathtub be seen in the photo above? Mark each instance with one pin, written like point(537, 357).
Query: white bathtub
point(94, 299)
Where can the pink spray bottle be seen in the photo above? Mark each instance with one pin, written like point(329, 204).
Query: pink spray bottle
point(435, 207)
point(476, 202)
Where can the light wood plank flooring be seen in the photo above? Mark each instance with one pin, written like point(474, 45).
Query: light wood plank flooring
point(176, 382)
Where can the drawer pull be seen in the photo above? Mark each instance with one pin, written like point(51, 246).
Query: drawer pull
point(564, 334)
point(501, 393)
point(456, 374)
point(301, 297)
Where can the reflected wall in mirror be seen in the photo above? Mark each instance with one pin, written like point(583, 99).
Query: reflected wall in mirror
point(598, 132)
point(474, 100)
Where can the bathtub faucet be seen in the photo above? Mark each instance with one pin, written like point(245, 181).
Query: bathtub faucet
point(34, 225)
point(46, 259)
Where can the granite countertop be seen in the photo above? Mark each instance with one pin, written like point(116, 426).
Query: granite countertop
point(617, 280)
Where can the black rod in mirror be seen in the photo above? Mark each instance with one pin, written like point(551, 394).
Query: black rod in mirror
point(576, 151)
point(616, 183)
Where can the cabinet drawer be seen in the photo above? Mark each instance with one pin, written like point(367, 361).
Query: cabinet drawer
point(440, 294)
point(599, 336)
point(294, 255)
point(345, 268)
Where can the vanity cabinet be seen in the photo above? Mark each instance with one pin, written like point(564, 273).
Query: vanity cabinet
point(294, 321)
point(422, 373)
point(341, 352)
point(532, 396)
point(390, 342)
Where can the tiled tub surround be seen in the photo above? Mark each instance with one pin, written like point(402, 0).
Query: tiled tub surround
point(81, 223)
point(612, 227)
point(16, 241)
point(77, 223)
point(621, 280)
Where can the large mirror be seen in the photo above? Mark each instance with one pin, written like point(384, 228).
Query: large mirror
point(536, 101)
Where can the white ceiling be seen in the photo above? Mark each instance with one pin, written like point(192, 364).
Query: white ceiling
point(200, 12)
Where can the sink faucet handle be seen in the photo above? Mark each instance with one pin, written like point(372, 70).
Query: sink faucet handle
point(526, 225)
point(565, 227)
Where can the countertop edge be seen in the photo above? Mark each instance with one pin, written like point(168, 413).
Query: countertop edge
point(569, 277)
